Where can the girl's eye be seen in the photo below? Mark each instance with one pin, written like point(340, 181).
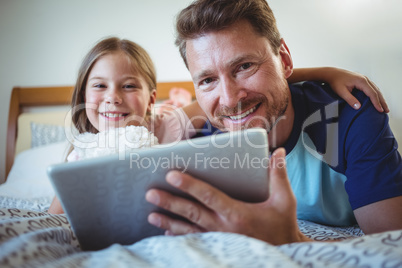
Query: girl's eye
point(99, 86)
point(130, 86)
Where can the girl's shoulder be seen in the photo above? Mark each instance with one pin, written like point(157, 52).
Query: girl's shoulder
point(73, 156)
point(171, 125)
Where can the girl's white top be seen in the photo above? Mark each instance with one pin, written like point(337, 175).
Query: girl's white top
point(170, 126)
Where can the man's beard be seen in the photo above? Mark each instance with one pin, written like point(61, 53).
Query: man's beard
point(273, 115)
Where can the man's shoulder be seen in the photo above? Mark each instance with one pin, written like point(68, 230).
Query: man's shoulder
point(318, 109)
point(313, 95)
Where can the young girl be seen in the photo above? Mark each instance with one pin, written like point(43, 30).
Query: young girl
point(116, 87)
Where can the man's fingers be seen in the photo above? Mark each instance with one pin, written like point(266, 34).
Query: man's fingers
point(281, 191)
point(206, 194)
point(180, 206)
point(172, 226)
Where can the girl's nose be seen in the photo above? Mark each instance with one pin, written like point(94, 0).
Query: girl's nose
point(113, 96)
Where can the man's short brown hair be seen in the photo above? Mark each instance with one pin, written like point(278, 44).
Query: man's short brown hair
point(204, 16)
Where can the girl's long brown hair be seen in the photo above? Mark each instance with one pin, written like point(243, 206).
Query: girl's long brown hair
point(140, 59)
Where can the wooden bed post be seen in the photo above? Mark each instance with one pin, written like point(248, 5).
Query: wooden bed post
point(13, 113)
point(29, 97)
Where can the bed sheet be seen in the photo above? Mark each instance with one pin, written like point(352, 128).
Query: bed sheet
point(30, 237)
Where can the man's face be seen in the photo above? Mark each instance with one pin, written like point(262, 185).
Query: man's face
point(239, 81)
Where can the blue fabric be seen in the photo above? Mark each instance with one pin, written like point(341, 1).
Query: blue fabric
point(339, 159)
point(324, 200)
point(356, 148)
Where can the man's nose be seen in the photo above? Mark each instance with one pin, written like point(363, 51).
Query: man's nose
point(231, 93)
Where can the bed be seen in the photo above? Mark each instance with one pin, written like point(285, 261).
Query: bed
point(31, 237)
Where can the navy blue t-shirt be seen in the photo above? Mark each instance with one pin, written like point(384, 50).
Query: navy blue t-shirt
point(338, 158)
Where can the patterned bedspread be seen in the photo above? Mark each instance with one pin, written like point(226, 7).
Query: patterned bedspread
point(30, 237)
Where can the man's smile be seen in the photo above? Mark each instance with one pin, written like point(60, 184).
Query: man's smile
point(244, 114)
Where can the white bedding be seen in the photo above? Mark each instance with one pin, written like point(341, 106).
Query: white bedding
point(28, 179)
point(30, 237)
point(37, 239)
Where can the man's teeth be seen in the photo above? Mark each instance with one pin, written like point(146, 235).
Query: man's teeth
point(240, 116)
point(112, 115)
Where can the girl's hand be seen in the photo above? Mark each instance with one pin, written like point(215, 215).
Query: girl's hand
point(343, 82)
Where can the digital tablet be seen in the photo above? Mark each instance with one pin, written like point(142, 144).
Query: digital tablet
point(104, 197)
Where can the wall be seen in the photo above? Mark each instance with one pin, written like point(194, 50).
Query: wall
point(359, 35)
point(42, 42)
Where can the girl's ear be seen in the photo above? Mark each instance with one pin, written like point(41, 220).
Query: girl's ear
point(152, 99)
point(287, 61)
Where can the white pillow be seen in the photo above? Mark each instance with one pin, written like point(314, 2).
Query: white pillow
point(43, 134)
point(28, 178)
point(24, 139)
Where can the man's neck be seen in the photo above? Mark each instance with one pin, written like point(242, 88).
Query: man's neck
point(280, 133)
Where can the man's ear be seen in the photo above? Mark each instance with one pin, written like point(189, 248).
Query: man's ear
point(152, 99)
point(287, 61)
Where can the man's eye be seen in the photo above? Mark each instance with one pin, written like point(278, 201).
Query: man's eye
point(245, 66)
point(207, 81)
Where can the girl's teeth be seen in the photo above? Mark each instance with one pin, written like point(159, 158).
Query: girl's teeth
point(112, 115)
point(240, 116)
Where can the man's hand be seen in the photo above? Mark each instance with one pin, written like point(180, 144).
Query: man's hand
point(273, 221)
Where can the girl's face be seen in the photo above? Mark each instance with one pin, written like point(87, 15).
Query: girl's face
point(116, 95)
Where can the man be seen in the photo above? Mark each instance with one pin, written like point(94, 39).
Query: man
point(342, 165)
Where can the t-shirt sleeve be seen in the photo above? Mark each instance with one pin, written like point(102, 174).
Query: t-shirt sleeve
point(373, 163)
point(172, 126)
point(73, 156)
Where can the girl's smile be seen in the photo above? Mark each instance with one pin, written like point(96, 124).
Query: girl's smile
point(116, 94)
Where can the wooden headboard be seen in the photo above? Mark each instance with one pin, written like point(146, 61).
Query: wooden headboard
point(22, 97)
